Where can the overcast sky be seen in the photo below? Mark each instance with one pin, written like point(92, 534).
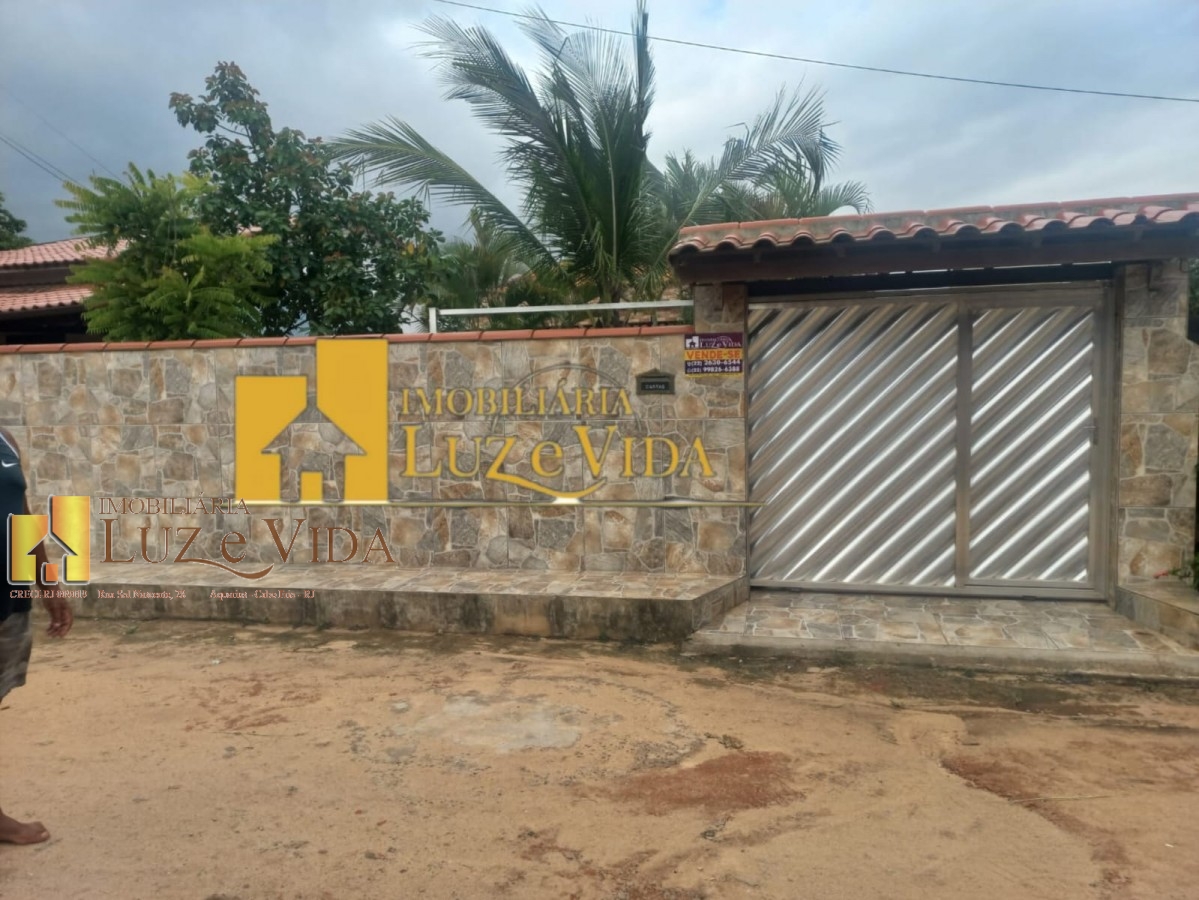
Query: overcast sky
point(98, 73)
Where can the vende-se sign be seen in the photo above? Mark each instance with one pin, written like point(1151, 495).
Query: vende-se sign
point(721, 353)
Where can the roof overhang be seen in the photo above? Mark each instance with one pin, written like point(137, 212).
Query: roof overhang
point(51, 299)
point(1082, 232)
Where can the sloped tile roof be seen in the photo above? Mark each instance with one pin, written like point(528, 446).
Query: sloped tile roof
point(43, 296)
point(55, 253)
point(1076, 216)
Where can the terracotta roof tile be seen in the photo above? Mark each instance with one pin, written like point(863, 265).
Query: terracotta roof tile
point(42, 296)
point(55, 253)
point(1078, 215)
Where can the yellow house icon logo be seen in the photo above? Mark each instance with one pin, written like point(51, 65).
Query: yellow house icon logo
point(312, 443)
point(68, 524)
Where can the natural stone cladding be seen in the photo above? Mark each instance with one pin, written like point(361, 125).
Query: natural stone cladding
point(1158, 446)
point(156, 421)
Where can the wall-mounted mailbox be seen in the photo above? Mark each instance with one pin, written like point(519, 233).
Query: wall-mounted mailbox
point(655, 382)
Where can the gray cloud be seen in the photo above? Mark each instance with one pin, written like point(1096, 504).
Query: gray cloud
point(102, 73)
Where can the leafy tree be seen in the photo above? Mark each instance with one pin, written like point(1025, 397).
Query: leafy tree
point(10, 229)
point(344, 262)
point(595, 208)
point(166, 276)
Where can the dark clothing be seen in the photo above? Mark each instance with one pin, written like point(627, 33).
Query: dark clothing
point(12, 503)
point(16, 641)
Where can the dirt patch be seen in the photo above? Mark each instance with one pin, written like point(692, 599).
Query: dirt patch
point(1012, 782)
point(729, 783)
point(180, 761)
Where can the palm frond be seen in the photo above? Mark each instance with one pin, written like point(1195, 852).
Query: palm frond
point(595, 210)
point(832, 197)
point(395, 152)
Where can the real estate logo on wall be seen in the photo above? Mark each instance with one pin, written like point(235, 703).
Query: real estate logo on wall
point(64, 534)
point(289, 427)
point(325, 438)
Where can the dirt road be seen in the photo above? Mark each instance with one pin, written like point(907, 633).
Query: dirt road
point(203, 762)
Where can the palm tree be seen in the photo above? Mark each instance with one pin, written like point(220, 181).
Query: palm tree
point(780, 191)
point(474, 272)
point(595, 209)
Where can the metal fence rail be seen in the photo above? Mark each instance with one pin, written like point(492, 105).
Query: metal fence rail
point(435, 314)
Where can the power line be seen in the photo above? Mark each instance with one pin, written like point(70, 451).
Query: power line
point(31, 159)
point(36, 157)
point(824, 62)
point(40, 161)
point(59, 132)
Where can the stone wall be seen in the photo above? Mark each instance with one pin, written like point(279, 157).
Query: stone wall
point(1159, 444)
point(157, 421)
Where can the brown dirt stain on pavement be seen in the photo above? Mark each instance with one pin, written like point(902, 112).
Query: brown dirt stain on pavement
point(726, 784)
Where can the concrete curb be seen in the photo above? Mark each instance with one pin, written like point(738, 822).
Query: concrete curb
point(295, 598)
point(990, 659)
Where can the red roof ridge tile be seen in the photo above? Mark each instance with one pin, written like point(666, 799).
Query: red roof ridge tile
point(51, 253)
point(26, 297)
point(1163, 209)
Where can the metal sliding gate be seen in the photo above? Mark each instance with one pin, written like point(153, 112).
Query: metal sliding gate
point(934, 443)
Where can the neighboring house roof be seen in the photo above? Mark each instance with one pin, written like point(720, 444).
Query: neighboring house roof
point(31, 280)
point(44, 296)
point(54, 253)
point(966, 222)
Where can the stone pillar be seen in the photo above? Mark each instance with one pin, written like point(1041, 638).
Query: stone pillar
point(1159, 402)
point(721, 537)
point(720, 307)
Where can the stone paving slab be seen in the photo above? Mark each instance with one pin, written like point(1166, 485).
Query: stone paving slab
point(1014, 634)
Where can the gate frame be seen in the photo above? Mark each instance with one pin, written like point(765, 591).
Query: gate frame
point(1101, 297)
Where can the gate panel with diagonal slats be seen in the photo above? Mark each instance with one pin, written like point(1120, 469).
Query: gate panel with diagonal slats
point(852, 441)
point(1032, 427)
point(938, 443)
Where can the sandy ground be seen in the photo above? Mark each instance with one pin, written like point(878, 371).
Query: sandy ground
point(204, 762)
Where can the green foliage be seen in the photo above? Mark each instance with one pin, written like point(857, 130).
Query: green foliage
point(485, 272)
point(10, 229)
point(344, 262)
point(166, 277)
point(476, 272)
point(203, 296)
point(530, 290)
point(1188, 572)
point(596, 211)
point(784, 189)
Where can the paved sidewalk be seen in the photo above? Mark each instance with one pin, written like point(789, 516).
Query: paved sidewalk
point(1022, 635)
point(642, 607)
